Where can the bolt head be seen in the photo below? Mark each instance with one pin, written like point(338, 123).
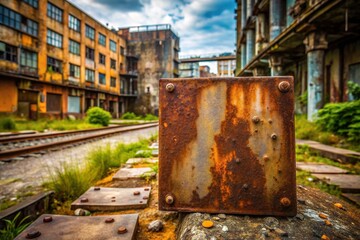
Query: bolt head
point(146, 189)
point(266, 158)
point(170, 87)
point(109, 220)
point(96, 188)
point(122, 230)
point(284, 86)
point(273, 136)
point(256, 119)
point(33, 234)
point(285, 201)
point(83, 200)
point(136, 193)
point(169, 199)
point(47, 219)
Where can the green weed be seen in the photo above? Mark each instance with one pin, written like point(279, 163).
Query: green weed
point(12, 228)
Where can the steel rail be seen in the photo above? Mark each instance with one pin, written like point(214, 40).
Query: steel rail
point(6, 155)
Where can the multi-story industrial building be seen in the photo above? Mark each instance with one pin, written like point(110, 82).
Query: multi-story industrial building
point(189, 69)
point(316, 41)
point(226, 68)
point(158, 46)
point(55, 60)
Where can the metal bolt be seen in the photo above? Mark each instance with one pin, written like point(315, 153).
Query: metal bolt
point(266, 158)
point(284, 86)
point(237, 160)
point(146, 189)
point(256, 119)
point(273, 136)
point(140, 201)
point(33, 234)
point(285, 201)
point(145, 197)
point(270, 121)
point(109, 220)
point(122, 230)
point(170, 87)
point(136, 193)
point(83, 200)
point(47, 219)
point(96, 188)
point(169, 199)
point(245, 186)
point(113, 200)
point(113, 197)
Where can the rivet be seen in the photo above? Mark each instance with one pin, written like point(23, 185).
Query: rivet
point(47, 219)
point(256, 131)
point(140, 201)
point(33, 234)
point(237, 160)
point(113, 197)
point(284, 86)
point(136, 193)
point(122, 230)
point(245, 186)
point(145, 197)
point(266, 158)
point(256, 119)
point(109, 220)
point(285, 201)
point(170, 87)
point(83, 200)
point(270, 121)
point(146, 189)
point(96, 188)
point(113, 200)
point(273, 136)
point(169, 199)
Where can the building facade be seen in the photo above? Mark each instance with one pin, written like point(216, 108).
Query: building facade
point(226, 68)
point(158, 48)
point(189, 69)
point(55, 60)
point(316, 41)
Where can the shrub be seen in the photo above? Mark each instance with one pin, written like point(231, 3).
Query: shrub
point(151, 117)
point(354, 90)
point(129, 116)
point(97, 115)
point(7, 124)
point(342, 119)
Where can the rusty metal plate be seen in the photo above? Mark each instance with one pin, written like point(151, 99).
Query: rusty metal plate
point(112, 199)
point(55, 227)
point(227, 145)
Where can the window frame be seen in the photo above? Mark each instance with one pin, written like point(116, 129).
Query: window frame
point(102, 81)
point(74, 23)
point(73, 46)
point(112, 81)
point(89, 32)
point(54, 12)
point(87, 71)
point(112, 45)
point(74, 70)
point(54, 39)
point(112, 63)
point(55, 64)
point(89, 53)
point(31, 57)
point(33, 3)
point(10, 53)
point(102, 56)
point(102, 39)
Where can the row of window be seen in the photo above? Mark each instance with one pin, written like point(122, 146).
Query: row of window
point(13, 19)
point(90, 77)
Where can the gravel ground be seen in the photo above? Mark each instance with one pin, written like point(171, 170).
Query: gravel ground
point(19, 179)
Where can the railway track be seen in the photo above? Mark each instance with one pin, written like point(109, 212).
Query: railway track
point(12, 147)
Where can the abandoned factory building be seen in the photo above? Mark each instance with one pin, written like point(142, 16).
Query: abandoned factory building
point(158, 46)
point(316, 41)
point(56, 60)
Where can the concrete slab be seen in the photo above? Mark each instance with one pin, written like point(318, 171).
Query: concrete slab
point(132, 161)
point(112, 199)
point(318, 168)
point(352, 197)
point(76, 228)
point(133, 173)
point(347, 183)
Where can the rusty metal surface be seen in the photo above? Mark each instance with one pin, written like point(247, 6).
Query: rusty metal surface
point(227, 145)
point(112, 199)
point(55, 227)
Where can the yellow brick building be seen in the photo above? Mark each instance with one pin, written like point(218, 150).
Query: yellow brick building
point(55, 60)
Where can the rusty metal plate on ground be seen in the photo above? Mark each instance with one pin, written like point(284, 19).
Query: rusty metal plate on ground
point(227, 145)
point(112, 199)
point(55, 227)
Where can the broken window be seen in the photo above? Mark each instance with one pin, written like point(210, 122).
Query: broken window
point(54, 65)
point(8, 52)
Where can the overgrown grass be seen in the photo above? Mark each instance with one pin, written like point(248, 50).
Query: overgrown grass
point(70, 180)
point(312, 131)
point(11, 124)
point(133, 116)
point(14, 227)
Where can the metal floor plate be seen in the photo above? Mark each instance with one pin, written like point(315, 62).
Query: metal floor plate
point(227, 145)
point(113, 199)
point(80, 228)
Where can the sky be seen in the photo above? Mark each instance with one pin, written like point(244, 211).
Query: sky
point(204, 26)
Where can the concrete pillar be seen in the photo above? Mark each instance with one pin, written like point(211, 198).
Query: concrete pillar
point(243, 14)
point(277, 17)
point(289, 19)
point(249, 8)
point(276, 62)
point(315, 43)
point(260, 32)
point(243, 55)
point(250, 44)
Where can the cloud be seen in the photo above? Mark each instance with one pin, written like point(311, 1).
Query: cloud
point(204, 26)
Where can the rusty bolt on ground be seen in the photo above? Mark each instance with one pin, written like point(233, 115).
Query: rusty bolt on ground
point(47, 219)
point(122, 230)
